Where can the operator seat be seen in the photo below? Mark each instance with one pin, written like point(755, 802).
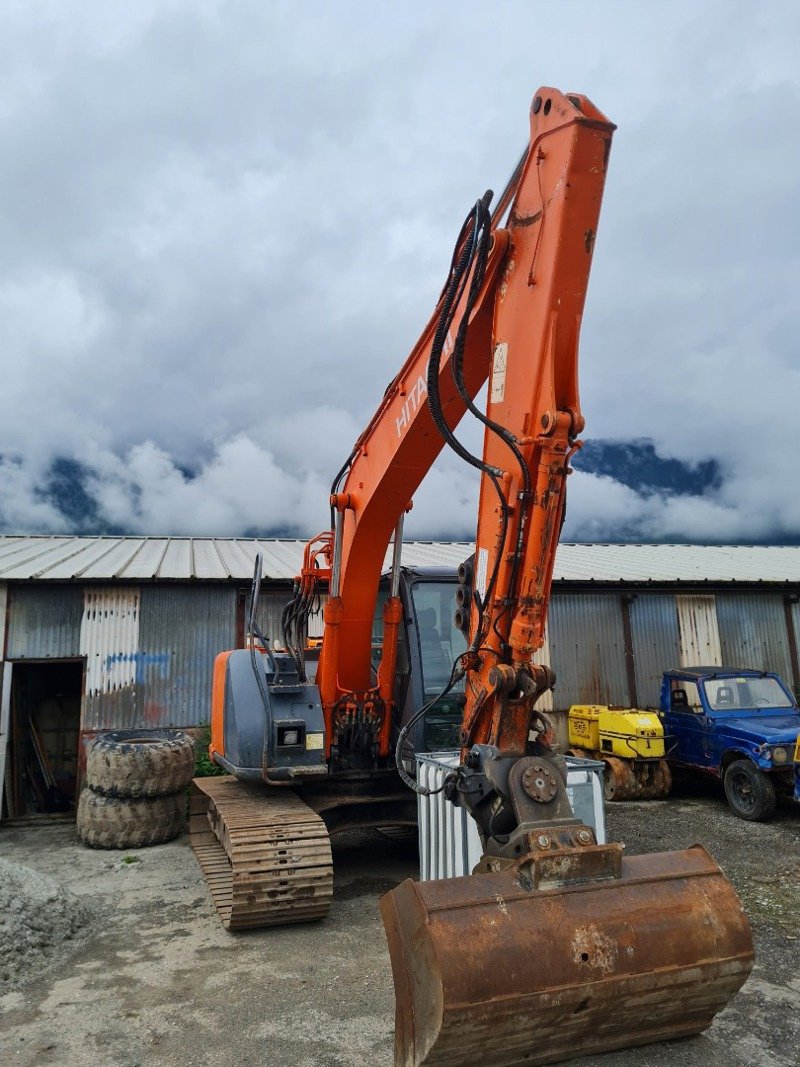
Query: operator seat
point(725, 697)
point(436, 665)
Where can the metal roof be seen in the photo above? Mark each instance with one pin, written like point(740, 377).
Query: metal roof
point(132, 559)
point(716, 672)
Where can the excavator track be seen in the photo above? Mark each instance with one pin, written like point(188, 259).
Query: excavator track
point(265, 855)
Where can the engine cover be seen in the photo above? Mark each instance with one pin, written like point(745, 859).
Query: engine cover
point(265, 723)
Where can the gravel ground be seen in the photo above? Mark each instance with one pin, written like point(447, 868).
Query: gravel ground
point(163, 983)
point(761, 1025)
point(41, 925)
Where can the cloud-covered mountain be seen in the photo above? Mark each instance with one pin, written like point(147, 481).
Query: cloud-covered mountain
point(79, 499)
point(637, 465)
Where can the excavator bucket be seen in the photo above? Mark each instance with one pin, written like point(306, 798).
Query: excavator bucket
point(488, 969)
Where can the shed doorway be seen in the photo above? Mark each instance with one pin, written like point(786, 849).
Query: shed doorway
point(41, 773)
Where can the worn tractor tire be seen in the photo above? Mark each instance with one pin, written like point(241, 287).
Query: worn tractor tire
point(120, 822)
point(750, 792)
point(140, 763)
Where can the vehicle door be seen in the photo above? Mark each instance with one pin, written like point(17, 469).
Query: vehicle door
point(686, 724)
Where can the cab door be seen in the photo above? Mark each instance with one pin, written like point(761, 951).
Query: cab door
point(686, 725)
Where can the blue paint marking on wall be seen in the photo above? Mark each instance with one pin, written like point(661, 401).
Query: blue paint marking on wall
point(145, 663)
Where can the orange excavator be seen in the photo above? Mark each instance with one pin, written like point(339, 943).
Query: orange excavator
point(554, 946)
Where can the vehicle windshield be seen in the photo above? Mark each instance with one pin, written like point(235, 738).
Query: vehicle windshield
point(440, 642)
point(750, 694)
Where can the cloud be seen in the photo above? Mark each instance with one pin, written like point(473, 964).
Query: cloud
point(222, 228)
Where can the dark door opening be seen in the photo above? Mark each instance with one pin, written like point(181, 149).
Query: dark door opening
point(42, 768)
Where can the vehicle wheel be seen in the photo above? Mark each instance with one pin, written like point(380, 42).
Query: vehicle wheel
point(580, 753)
point(120, 822)
point(140, 763)
point(750, 792)
point(664, 779)
point(615, 780)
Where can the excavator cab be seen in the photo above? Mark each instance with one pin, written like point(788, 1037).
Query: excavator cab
point(428, 643)
point(434, 638)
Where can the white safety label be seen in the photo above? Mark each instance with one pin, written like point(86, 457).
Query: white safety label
point(480, 573)
point(499, 372)
point(315, 742)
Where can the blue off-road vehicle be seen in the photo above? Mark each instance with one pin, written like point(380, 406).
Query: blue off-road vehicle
point(742, 726)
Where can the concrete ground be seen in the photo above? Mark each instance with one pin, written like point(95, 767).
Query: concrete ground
point(163, 983)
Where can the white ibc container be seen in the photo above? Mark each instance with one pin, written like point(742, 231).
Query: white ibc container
point(449, 844)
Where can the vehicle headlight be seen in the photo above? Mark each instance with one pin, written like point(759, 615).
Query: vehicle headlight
point(780, 755)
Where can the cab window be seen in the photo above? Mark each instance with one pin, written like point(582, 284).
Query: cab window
point(685, 696)
point(440, 644)
point(402, 669)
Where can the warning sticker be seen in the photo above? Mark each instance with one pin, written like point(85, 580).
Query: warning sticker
point(499, 372)
point(480, 573)
point(315, 742)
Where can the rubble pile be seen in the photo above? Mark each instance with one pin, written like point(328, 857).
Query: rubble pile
point(41, 925)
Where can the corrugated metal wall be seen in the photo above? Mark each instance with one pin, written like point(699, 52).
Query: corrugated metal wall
point(654, 631)
point(181, 630)
point(3, 614)
point(794, 621)
point(110, 637)
point(698, 631)
point(753, 633)
point(587, 646)
point(270, 606)
point(149, 649)
point(158, 672)
point(44, 622)
point(110, 643)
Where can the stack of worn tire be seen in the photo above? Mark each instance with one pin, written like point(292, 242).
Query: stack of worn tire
point(135, 788)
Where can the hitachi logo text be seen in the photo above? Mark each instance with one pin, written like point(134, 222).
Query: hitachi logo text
point(413, 401)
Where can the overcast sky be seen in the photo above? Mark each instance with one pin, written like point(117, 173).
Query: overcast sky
point(223, 226)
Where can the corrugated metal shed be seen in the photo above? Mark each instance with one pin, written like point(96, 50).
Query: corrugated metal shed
point(753, 633)
point(89, 559)
point(176, 655)
point(654, 632)
point(270, 609)
point(698, 631)
point(44, 622)
point(793, 628)
point(109, 637)
point(587, 646)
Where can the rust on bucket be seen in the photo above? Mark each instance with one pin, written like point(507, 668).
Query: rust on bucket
point(490, 969)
